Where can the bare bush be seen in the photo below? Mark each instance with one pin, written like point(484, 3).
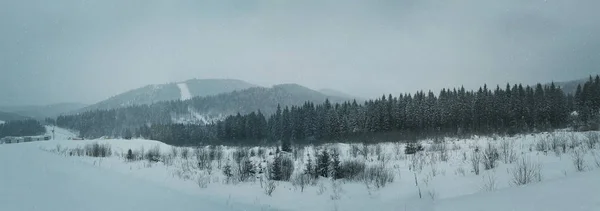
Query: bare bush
point(542, 146)
point(203, 181)
point(301, 180)
point(270, 187)
point(378, 175)
point(153, 154)
point(352, 169)
point(184, 152)
point(490, 156)
point(578, 159)
point(507, 151)
point(475, 161)
point(596, 156)
point(592, 139)
point(417, 162)
point(336, 190)
point(489, 182)
point(460, 171)
point(98, 150)
point(174, 152)
point(526, 172)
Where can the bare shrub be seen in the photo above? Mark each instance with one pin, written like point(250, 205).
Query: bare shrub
point(321, 188)
point(301, 180)
point(378, 175)
point(507, 151)
point(490, 157)
point(542, 145)
point(489, 182)
point(98, 150)
point(592, 139)
point(578, 159)
point(203, 181)
point(417, 162)
point(475, 161)
point(596, 156)
point(270, 187)
point(526, 172)
point(202, 158)
point(185, 153)
point(460, 171)
point(352, 169)
point(153, 154)
point(261, 152)
point(336, 190)
point(354, 151)
point(245, 169)
point(174, 152)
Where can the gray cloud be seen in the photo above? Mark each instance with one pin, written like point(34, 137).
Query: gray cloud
point(55, 51)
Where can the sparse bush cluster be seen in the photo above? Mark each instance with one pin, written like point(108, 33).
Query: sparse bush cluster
point(352, 169)
point(91, 150)
point(490, 157)
point(412, 148)
point(378, 176)
point(526, 172)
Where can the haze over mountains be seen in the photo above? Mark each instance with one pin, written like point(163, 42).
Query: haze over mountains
point(217, 98)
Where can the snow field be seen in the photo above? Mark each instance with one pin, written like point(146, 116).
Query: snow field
point(443, 171)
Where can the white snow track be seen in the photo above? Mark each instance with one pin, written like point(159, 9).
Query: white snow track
point(185, 91)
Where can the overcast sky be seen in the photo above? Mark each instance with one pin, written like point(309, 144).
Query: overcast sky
point(88, 50)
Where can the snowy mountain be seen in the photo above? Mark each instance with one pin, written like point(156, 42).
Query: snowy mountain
point(172, 91)
point(197, 110)
point(41, 112)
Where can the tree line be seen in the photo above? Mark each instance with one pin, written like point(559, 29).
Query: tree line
point(508, 110)
point(22, 128)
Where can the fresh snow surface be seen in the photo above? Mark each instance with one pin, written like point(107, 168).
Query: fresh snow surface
point(32, 179)
point(185, 92)
point(580, 192)
point(445, 185)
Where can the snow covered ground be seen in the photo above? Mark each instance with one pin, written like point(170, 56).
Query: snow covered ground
point(185, 91)
point(446, 180)
point(35, 180)
point(60, 133)
point(579, 192)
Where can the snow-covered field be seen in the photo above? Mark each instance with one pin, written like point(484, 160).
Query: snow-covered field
point(441, 177)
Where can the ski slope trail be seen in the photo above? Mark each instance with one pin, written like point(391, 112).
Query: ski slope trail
point(185, 91)
point(33, 179)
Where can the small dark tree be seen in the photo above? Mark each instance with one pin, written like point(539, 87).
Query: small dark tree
point(322, 168)
point(286, 146)
point(129, 156)
point(335, 168)
point(127, 134)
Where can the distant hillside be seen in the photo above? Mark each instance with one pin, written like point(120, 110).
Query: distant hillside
point(7, 116)
point(41, 112)
point(336, 93)
point(198, 110)
point(571, 86)
point(172, 91)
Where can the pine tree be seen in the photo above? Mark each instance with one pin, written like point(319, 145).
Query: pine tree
point(322, 168)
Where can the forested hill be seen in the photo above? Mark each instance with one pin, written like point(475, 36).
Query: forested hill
point(165, 92)
point(112, 122)
point(510, 110)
